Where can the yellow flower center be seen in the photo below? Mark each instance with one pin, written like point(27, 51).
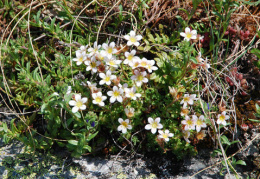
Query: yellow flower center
point(189, 122)
point(93, 64)
point(132, 94)
point(130, 57)
point(98, 99)
point(136, 64)
point(188, 35)
point(154, 125)
point(143, 63)
point(112, 63)
point(140, 78)
point(199, 122)
point(165, 136)
point(109, 50)
point(116, 93)
point(107, 78)
point(186, 99)
point(222, 118)
point(79, 104)
point(132, 39)
point(81, 59)
point(125, 124)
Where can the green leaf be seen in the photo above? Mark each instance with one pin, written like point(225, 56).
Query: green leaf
point(91, 136)
point(87, 147)
point(73, 142)
point(254, 120)
point(183, 23)
point(256, 52)
point(257, 108)
point(5, 127)
point(225, 140)
point(241, 162)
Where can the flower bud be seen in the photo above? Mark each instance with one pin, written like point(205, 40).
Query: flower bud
point(244, 127)
point(173, 91)
point(243, 81)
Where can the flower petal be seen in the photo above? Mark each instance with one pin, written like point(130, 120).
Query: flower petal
point(120, 120)
point(187, 30)
point(77, 97)
point(127, 37)
point(132, 33)
point(72, 103)
point(139, 37)
point(153, 130)
point(112, 100)
point(150, 120)
point(183, 34)
point(75, 109)
point(83, 107)
point(148, 127)
point(157, 120)
point(84, 100)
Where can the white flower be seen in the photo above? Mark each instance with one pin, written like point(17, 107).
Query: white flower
point(106, 78)
point(100, 57)
point(143, 63)
point(150, 66)
point(165, 135)
point(186, 135)
point(139, 77)
point(130, 112)
point(153, 124)
point(188, 99)
point(81, 57)
point(109, 50)
point(199, 59)
point(92, 65)
point(93, 87)
point(130, 57)
point(78, 103)
point(199, 122)
point(205, 65)
point(133, 39)
point(189, 34)
point(98, 99)
point(124, 125)
point(123, 87)
point(189, 123)
point(94, 50)
point(69, 89)
point(115, 95)
point(135, 63)
point(82, 50)
point(113, 62)
point(130, 93)
point(222, 118)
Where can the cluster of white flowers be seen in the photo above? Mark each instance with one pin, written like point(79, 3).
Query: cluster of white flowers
point(190, 123)
point(194, 122)
point(106, 60)
point(155, 124)
point(107, 63)
point(192, 35)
